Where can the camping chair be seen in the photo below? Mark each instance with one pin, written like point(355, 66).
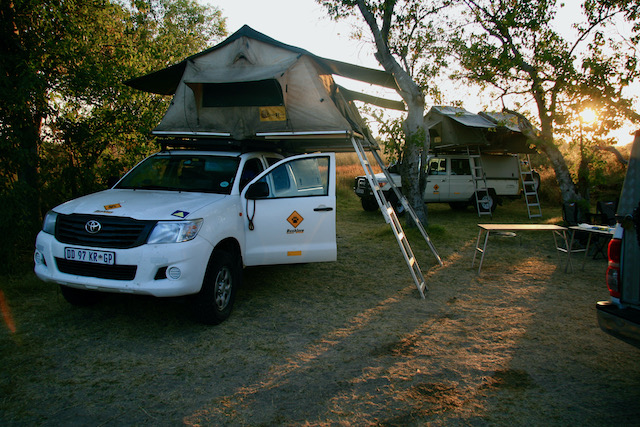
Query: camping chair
point(605, 215)
point(573, 214)
point(606, 212)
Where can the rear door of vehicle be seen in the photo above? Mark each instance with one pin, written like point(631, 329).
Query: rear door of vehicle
point(460, 181)
point(296, 221)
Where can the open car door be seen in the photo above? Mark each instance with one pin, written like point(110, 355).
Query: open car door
point(290, 212)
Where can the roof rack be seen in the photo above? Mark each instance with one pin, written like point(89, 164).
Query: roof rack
point(217, 144)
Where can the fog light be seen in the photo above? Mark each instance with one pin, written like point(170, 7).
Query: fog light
point(38, 258)
point(174, 273)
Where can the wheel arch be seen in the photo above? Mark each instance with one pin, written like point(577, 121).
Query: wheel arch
point(230, 245)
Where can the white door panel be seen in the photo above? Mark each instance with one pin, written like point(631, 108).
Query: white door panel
point(296, 222)
point(437, 183)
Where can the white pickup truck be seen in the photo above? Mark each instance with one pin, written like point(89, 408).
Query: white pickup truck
point(449, 180)
point(185, 222)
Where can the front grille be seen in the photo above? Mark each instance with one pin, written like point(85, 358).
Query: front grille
point(115, 232)
point(113, 272)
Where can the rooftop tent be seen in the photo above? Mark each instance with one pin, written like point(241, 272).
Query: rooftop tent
point(251, 87)
point(456, 129)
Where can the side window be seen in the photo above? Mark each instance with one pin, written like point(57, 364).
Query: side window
point(438, 167)
point(252, 168)
point(460, 167)
point(299, 178)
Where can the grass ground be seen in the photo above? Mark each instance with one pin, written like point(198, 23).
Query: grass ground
point(344, 343)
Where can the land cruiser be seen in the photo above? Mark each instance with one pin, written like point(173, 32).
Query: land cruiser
point(620, 316)
point(449, 180)
point(185, 222)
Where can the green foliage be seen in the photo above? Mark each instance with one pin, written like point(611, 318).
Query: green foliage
point(68, 122)
point(515, 48)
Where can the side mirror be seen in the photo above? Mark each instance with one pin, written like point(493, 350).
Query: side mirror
point(257, 190)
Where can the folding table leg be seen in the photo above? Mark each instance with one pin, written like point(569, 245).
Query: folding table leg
point(483, 250)
point(586, 250)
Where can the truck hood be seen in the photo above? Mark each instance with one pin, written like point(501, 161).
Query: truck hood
point(141, 204)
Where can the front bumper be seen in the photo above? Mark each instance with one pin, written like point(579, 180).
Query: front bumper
point(622, 323)
point(161, 270)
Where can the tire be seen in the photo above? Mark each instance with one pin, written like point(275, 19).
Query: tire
point(487, 202)
point(80, 297)
point(213, 304)
point(397, 204)
point(369, 204)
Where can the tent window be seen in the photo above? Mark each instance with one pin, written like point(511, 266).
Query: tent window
point(261, 93)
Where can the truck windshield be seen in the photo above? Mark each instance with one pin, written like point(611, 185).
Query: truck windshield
point(198, 173)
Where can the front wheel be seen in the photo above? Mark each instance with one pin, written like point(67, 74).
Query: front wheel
point(369, 204)
point(213, 304)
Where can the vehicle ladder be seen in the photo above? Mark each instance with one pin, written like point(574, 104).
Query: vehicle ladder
point(480, 187)
point(529, 187)
point(391, 217)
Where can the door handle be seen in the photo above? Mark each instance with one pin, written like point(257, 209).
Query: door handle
point(323, 209)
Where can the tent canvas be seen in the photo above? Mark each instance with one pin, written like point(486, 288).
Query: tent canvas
point(251, 87)
point(455, 129)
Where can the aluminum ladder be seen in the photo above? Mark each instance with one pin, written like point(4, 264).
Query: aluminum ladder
point(390, 216)
point(529, 187)
point(479, 178)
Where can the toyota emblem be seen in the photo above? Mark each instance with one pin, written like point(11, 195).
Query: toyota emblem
point(92, 226)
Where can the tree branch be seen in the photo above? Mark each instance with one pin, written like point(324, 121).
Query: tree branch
point(614, 150)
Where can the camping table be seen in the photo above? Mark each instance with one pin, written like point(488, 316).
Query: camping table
point(557, 231)
point(598, 230)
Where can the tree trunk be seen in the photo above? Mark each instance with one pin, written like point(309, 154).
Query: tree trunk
point(563, 176)
point(416, 138)
point(412, 171)
point(545, 143)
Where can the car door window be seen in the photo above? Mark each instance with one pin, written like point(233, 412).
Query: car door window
point(438, 167)
point(299, 178)
point(460, 167)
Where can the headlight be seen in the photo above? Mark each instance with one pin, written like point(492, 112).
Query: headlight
point(49, 223)
point(175, 231)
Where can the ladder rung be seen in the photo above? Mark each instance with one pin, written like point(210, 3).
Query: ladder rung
point(391, 217)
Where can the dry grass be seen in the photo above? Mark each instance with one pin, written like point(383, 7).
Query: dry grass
point(345, 343)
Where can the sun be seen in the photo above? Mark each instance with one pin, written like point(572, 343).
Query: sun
point(588, 116)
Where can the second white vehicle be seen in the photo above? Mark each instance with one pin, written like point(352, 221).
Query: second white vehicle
point(450, 180)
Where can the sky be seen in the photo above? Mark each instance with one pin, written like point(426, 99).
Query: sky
point(305, 24)
point(301, 23)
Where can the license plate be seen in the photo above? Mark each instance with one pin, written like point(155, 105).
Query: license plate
point(86, 255)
